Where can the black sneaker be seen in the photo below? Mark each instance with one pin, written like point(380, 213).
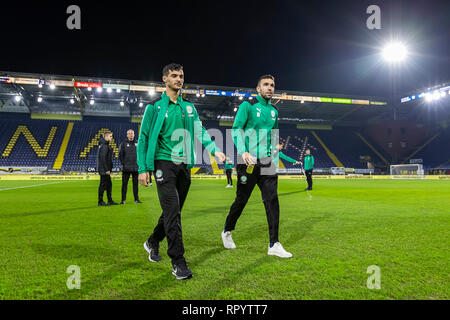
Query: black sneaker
point(102, 204)
point(181, 271)
point(123, 202)
point(112, 203)
point(137, 201)
point(153, 252)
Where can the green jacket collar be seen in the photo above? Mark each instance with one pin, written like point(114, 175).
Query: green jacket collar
point(263, 101)
point(166, 98)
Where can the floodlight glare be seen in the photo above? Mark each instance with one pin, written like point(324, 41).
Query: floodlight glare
point(52, 86)
point(72, 101)
point(92, 102)
point(39, 99)
point(18, 98)
point(109, 90)
point(394, 52)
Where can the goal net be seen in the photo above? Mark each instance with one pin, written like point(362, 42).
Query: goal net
point(407, 171)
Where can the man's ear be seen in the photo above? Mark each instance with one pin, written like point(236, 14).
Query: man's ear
point(164, 79)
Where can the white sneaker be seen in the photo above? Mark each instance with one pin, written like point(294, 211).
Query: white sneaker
point(278, 250)
point(227, 186)
point(228, 242)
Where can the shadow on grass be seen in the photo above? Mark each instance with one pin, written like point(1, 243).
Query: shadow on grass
point(59, 210)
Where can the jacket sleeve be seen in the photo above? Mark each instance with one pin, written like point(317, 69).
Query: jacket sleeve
point(202, 135)
point(144, 136)
point(238, 127)
point(285, 157)
point(312, 161)
point(121, 153)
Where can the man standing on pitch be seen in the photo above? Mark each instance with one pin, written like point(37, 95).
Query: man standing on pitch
point(166, 147)
point(229, 172)
point(309, 164)
point(104, 168)
point(254, 131)
point(128, 158)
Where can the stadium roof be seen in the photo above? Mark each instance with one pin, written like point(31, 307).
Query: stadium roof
point(118, 97)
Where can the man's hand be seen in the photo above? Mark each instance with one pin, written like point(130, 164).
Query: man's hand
point(221, 156)
point(144, 178)
point(297, 162)
point(108, 173)
point(248, 159)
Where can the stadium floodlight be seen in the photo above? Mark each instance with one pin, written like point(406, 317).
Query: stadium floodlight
point(428, 97)
point(89, 89)
point(72, 101)
point(92, 102)
point(241, 97)
point(122, 103)
point(109, 90)
point(395, 52)
point(40, 85)
point(303, 101)
point(443, 93)
point(99, 89)
point(151, 92)
point(251, 98)
point(141, 105)
point(198, 95)
point(52, 86)
point(203, 95)
point(39, 99)
point(17, 98)
point(118, 90)
point(235, 109)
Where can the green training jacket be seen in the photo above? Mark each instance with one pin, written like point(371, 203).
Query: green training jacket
point(309, 162)
point(154, 117)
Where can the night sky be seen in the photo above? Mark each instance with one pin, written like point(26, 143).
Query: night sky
point(318, 46)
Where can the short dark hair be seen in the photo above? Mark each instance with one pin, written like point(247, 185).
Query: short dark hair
point(266, 76)
point(171, 67)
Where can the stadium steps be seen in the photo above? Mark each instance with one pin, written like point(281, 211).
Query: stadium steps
point(421, 147)
point(372, 148)
point(330, 154)
point(62, 151)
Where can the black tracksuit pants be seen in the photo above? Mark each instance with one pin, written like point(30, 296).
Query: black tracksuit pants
point(266, 178)
point(308, 174)
point(125, 178)
point(173, 182)
point(105, 185)
point(229, 179)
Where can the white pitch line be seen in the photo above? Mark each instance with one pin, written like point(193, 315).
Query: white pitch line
point(36, 185)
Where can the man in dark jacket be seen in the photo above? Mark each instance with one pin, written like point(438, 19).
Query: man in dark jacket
point(128, 158)
point(104, 167)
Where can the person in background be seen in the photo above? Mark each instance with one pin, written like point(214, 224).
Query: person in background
point(104, 168)
point(229, 171)
point(309, 164)
point(128, 158)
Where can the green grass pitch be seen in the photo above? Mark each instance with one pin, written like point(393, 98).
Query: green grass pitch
point(335, 233)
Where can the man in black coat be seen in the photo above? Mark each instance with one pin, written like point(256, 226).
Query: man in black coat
point(128, 158)
point(104, 167)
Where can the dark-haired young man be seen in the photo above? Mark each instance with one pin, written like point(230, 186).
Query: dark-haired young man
point(255, 133)
point(166, 147)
